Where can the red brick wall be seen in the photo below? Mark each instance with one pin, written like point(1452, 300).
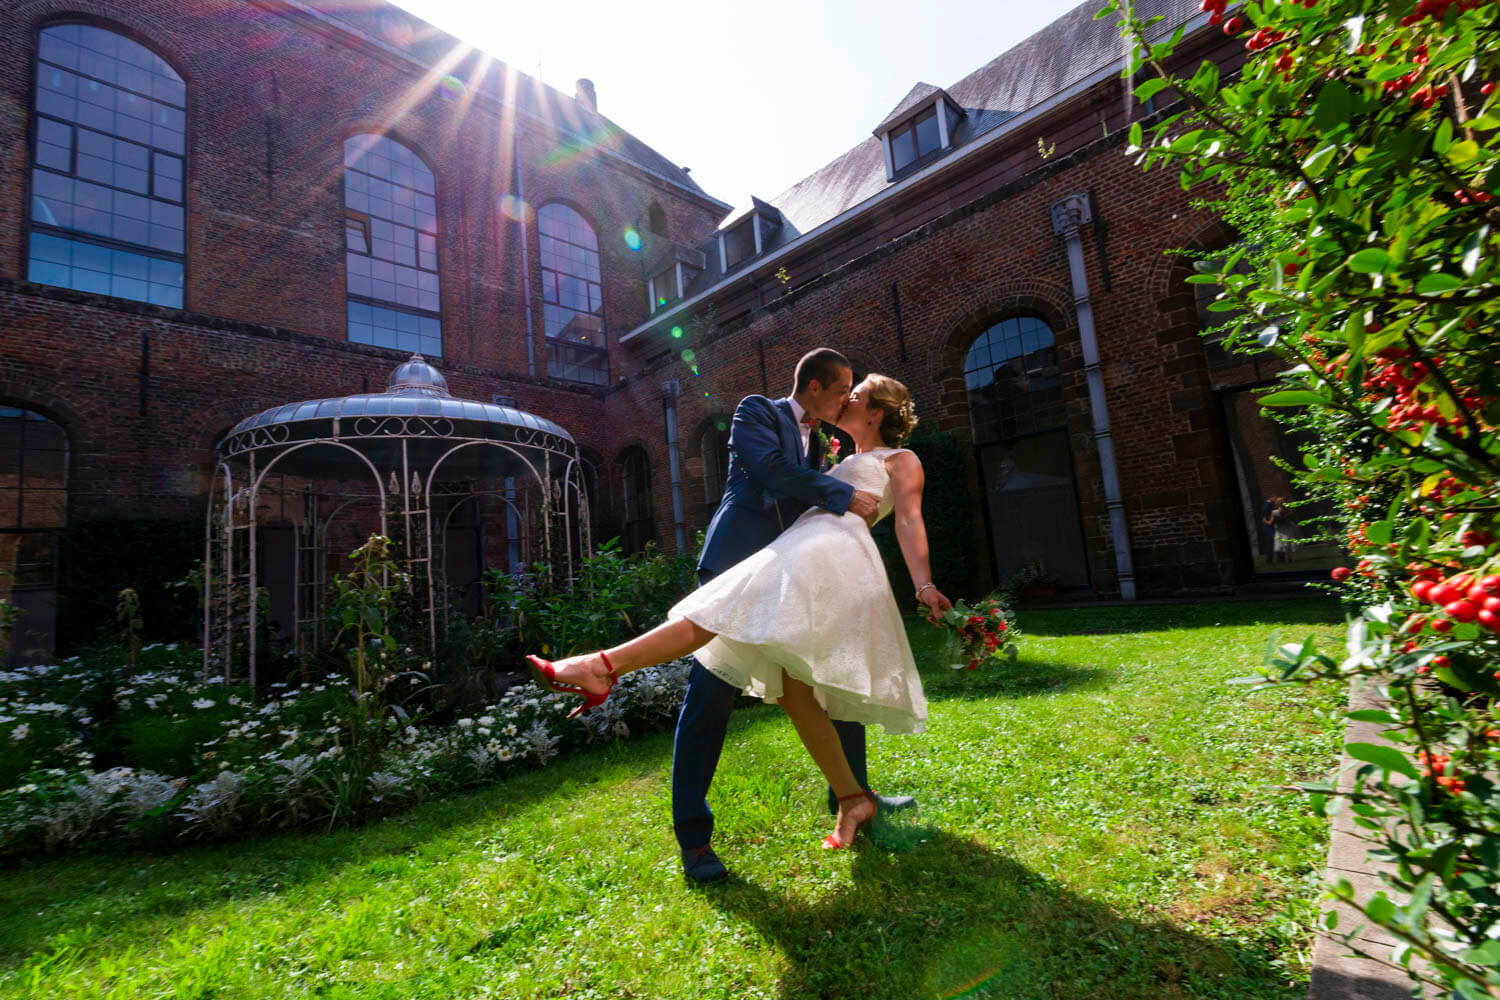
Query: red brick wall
point(271, 100)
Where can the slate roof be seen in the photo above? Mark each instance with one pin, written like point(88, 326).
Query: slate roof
point(922, 93)
point(1065, 52)
point(392, 26)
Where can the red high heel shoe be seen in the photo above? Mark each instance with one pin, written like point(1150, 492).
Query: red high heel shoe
point(546, 676)
point(833, 843)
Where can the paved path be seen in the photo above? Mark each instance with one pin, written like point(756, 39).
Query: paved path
point(1336, 973)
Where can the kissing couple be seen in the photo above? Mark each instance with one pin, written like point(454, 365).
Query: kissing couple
point(794, 605)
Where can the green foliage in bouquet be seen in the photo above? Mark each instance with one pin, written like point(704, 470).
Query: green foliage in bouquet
point(980, 634)
point(1358, 143)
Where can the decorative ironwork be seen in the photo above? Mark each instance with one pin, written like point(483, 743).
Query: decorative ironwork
point(414, 453)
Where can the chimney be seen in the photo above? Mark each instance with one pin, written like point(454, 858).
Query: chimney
point(585, 95)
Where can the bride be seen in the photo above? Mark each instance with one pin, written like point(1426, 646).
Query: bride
point(808, 622)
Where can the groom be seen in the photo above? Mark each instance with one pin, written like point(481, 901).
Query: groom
point(774, 463)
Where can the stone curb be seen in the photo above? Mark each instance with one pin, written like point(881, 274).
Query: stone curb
point(1337, 974)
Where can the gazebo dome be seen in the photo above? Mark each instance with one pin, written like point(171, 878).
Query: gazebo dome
point(416, 375)
point(416, 406)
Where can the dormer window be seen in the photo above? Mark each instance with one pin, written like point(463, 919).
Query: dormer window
point(920, 128)
point(740, 243)
point(915, 139)
point(664, 288)
point(750, 236)
point(673, 277)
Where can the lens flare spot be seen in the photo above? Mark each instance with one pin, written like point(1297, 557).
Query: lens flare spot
point(689, 357)
point(452, 88)
point(677, 333)
point(514, 208)
point(632, 239)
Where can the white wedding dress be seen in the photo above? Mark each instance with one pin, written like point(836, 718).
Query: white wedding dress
point(816, 603)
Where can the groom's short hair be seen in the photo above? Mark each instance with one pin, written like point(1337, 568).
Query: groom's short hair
point(821, 363)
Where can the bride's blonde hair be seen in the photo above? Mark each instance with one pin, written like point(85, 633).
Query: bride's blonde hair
point(892, 399)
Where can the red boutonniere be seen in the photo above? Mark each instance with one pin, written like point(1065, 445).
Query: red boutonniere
point(831, 445)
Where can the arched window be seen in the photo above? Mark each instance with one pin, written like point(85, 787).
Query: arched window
point(715, 451)
point(1011, 375)
point(390, 235)
point(33, 511)
point(572, 297)
point(1025, 462)
point(635, 469)
point(107, 161)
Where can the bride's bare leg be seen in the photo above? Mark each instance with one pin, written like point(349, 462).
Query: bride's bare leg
point(667, 641)
point(822, 742)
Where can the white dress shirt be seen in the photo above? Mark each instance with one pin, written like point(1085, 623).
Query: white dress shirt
point(803, 428)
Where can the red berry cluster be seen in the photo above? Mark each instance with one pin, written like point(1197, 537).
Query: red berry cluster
point(1464, 197)
point(1463, 598)
point(1400, 377)
point(1436, 10)
point(1439, 764)
point(1264, 39)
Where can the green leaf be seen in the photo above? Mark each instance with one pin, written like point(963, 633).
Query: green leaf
point(1135, 135)
point(1335, 106)
point(1380, 908)
point(1150, 89)
point(1384, 757)
point(1370, 260)
point(1293, 397)
point(1444, 137)
point(1373, 715)
point(1437, 283)
point(1317, 164)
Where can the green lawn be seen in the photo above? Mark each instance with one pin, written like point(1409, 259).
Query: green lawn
point(1096, 821)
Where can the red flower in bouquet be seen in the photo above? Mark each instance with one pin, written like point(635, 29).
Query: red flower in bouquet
point(979, 634)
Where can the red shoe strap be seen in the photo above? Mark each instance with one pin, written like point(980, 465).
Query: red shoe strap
point(613, 677)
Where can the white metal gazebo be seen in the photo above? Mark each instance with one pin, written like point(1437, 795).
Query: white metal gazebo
point(403, 462)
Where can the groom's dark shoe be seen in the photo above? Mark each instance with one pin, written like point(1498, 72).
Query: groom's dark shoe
point(702, 865)
point(888, 803)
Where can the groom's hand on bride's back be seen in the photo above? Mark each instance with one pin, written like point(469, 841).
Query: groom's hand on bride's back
point(865, 505)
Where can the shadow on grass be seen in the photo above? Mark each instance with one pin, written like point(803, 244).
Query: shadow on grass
point(1023, 679)
point(1072, 622)
point(935, 915)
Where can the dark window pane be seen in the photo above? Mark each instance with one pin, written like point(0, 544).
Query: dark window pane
point(927, 133)
point(903, 147)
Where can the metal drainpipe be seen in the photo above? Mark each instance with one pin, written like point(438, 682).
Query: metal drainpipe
point(670, 390)
point(1067, 216)
point(525, 250)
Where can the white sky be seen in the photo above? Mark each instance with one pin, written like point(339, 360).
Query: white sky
point(752, 97)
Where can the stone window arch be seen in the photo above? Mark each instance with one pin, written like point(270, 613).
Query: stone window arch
point(1011, 376)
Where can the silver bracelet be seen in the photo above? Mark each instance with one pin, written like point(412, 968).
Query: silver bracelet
point(918, 594)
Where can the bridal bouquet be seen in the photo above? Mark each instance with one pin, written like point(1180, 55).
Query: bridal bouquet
point(979, 633)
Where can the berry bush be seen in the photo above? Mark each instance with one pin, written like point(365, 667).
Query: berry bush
point(1356, 146)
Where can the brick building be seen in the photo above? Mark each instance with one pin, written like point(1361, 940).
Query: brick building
point(212, 207)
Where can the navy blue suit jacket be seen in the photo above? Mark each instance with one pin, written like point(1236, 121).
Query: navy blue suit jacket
point(767, 486)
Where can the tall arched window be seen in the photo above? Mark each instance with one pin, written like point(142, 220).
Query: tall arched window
point(572, 297)
point(715, 451)
point(635, 469)
point(1025, 462)
point(107, 164)
point(390, 235)
point(33, 511)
